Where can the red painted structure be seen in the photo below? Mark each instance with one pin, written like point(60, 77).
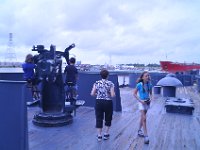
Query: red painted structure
point(178, 67)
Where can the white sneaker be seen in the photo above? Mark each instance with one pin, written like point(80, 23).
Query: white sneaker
point(99, 138)
point(146, 140)
point(140, 133)
point(106, 136)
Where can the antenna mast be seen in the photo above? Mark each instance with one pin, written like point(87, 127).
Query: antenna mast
point(10, 55)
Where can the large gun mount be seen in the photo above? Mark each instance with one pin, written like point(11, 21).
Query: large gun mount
point(49, 74)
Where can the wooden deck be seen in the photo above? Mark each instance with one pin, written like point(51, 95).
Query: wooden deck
point(167, 131)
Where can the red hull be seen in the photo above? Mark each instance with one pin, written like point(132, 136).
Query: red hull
point(178, 67)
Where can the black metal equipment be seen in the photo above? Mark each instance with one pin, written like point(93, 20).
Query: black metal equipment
point(49, 74)
point(179, 105)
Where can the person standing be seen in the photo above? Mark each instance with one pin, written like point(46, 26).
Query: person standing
point(143, 93)
point(28, 68)
point(71, 73)
point(103, 90)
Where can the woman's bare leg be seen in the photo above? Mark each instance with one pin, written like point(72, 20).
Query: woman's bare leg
point(144, 122)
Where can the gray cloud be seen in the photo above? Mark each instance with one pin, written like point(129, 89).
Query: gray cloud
point(103, 30)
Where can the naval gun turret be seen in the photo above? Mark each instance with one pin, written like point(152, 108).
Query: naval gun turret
point(49, 73)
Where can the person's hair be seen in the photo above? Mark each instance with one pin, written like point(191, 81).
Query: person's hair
point(104, 73)
point(140, 79)
point(141, 76)
point(29, 58)
point(72, 60)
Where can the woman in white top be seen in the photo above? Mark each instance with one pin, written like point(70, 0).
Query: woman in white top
point(103, 90)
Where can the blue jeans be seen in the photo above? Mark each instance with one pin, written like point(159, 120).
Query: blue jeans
point(71, 91)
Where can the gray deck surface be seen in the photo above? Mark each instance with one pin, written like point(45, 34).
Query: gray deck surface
point(167, 131)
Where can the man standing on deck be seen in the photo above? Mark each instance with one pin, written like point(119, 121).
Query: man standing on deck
point(71, 73)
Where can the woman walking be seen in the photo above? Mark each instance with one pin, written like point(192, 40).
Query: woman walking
point(143, 93)
point(103, 90)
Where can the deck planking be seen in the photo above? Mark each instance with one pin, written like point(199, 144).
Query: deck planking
point(167, 131)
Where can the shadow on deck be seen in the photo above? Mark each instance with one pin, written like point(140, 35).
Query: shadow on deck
point(166, 130)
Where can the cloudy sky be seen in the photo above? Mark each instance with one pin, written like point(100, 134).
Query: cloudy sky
point(104, 31)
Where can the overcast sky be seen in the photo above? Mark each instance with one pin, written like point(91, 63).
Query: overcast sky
point(104, 31)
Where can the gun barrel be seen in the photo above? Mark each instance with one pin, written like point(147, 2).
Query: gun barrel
point(70, 47)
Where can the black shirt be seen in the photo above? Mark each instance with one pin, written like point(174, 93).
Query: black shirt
point(71, 74)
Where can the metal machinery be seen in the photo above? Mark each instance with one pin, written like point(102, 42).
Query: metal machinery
point(49, 74)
